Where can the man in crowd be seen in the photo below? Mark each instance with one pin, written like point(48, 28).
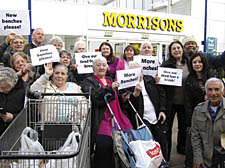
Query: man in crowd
point(208, 124)
point(38, 37)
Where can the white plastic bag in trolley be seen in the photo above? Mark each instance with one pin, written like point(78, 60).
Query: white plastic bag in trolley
point(29, 145)
point(147, 153)
point(70, 146)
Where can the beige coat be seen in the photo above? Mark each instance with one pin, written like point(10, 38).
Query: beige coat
point(206, 134)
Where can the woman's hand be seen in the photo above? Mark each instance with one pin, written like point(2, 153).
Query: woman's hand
point(162, 117)
point(125, 96)
point(137, 90)
point(157, 79)
point(6, 117)
point(115, 85)
point(48, 69)
point(74, 67)
point(9, 38)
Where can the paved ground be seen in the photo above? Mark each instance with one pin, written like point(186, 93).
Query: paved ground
point(176, 160)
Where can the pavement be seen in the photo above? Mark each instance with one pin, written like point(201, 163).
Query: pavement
point(176, 160)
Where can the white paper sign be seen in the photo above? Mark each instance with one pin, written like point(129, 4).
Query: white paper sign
point(170, 76)
point(149, 64)
point(16, 21)
point(128, 78)
point(85, 61)
point(44, 54)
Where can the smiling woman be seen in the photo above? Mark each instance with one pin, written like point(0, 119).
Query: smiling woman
point(55, 81)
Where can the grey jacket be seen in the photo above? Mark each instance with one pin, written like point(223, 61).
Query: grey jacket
point(205, 135)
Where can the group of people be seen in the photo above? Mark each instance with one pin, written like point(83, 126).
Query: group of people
point(198, 103)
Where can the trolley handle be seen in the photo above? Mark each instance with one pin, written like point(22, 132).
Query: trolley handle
point(106, 96)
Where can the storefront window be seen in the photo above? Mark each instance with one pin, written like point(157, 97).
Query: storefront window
point(138, 4)
point(130, 4)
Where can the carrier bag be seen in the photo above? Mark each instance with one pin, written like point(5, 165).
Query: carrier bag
point(70, 146)
point(147, 153)
point(29, 145)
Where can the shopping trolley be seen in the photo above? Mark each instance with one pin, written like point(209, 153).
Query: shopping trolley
point(53, 117)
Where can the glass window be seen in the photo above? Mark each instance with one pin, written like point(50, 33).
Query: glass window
point(130, 4)
point(122, 3)
point(138, 4)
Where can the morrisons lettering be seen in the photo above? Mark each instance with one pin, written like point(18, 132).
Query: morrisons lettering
point(141, 22)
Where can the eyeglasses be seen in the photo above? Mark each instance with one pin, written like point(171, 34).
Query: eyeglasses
point(18, 42)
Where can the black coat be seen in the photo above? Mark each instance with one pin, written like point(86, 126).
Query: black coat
point(98, 104)
point(156, 94)
point(193, 96)
point(13, 102)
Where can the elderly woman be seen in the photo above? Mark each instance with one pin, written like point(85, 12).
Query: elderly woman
point(146, 49)
point(101, 126)
point(57, 42)
point(12, 94)
point(112, 61)
point(20, 62)
point(55, 81)
point(16, 45)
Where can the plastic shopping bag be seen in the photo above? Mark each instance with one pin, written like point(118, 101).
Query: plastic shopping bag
point(29, 145)
point(70, 146)
point(147, 153)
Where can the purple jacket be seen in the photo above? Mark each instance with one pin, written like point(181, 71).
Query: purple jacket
point(112, 67)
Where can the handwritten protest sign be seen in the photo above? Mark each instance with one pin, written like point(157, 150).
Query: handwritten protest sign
point(44, 54)
point(170, 76)
point(149, 64)
point(85, 61)
point(16, 21)
point(128, 78)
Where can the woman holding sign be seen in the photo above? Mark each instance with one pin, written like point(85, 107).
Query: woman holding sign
point(129, 53)
point(175, 96)
point(112, 61)
point(101, 126)
point(146, 49)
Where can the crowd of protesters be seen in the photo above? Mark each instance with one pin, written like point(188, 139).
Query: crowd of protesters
point(198, 103)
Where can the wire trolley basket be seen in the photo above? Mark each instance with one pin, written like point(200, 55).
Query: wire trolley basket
point(53, 116)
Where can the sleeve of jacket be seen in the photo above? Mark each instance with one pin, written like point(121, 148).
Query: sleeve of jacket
point(196, 139)
point(216, 61)
point(162, 98)
point(39, 84)
point(188, 99)
point(97, 92)
point(3, 48)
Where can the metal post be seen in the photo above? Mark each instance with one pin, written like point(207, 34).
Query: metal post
point(29, 8)
point(205, 25)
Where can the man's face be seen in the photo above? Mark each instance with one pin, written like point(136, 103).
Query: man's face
point(214, 92)
point(190, 46)
point(80, 48)
point(38, 37)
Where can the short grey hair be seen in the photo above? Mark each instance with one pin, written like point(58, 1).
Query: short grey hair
point(214, 80)
point(77, 43)
point(56, 39)
point(8, 75)
point(99, 59)
point(60, 65)
point(134, 64)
